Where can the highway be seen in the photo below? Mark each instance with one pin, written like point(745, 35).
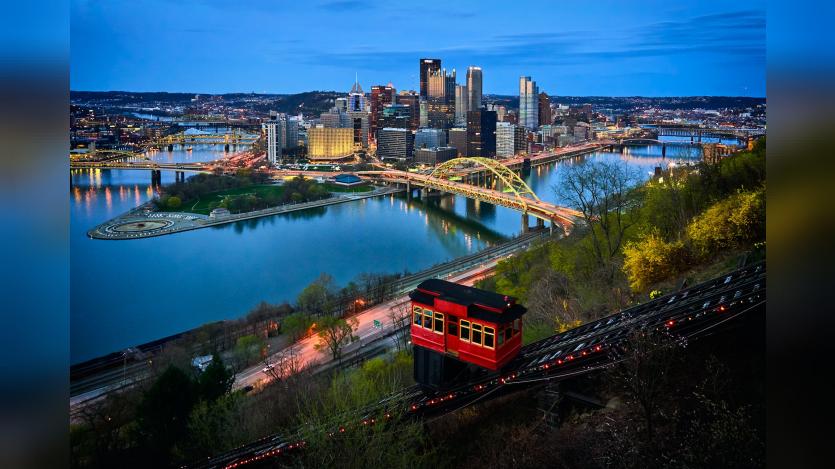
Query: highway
point(306, 354)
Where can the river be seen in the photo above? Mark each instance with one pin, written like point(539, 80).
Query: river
point(125, 293)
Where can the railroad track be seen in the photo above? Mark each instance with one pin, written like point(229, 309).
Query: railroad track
point(685, 315)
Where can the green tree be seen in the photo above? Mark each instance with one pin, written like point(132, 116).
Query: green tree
point(247, 350)
point(651, 259)
point(216, 380)
point(296, 325)
point(316, 298)
point(334, 333)
point(174, 202)
point(162, 415)
point(215, 426)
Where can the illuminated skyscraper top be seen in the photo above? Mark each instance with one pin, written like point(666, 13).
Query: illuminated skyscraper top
point(427, 66)
point(473, 88)
point(356, 98)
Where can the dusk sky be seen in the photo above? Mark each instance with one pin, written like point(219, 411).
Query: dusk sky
point(570, 48)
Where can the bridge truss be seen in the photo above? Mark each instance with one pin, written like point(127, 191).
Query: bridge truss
point(510, 179)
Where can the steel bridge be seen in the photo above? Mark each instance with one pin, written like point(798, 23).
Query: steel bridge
point(205, 139)
point(514, 194)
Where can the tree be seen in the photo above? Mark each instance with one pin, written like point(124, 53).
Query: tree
point(174, 202)
point(316, 298)
point(162, 415)
point(644, 371)
point(216, 380)
point(334, 333)
point(297, 325)
point(247, 349)
point(651, 259)
point(601, 190)
point(400, 317)
point(550, 301)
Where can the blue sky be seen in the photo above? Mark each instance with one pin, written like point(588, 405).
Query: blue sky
point(603, 48)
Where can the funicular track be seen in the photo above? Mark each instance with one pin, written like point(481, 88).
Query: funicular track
point(686, 314)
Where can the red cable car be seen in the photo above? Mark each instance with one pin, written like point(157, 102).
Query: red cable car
point(465, 323)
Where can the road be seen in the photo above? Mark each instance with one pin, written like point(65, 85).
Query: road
point(305, 351)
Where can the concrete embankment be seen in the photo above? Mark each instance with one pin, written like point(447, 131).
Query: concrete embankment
point(144, 222)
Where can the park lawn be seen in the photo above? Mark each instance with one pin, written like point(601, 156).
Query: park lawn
point(201, 205)
point(337, 188)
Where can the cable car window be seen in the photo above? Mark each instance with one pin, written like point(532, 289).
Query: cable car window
point(427, 319)
point(508, 332)
point(418, 312)
point(452, 325)
point(516, 324)
point(465, 330)
point(500, 337)
point(489, 333)
point(477, 334)
point(439, 323)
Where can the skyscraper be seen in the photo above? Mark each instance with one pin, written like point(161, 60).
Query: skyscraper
point(461, 104)
point(528, 103)
point(395, 144)
point(440, 99)
point(544, 109)
point(381, 95)
point(481, 133)
point(473, 88)
point(505, 132)
point(427, 65)
point(458, 139)
point(282, 133)
point(356, 98)
point(411, 99)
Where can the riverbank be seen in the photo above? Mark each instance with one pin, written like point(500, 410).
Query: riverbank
point(144, 222)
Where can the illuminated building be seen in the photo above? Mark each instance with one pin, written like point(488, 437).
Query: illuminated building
point(381, 95)
point(528, 103)
point(426, 66)
point(330, 143)
point(473, 88)
point(505, 133)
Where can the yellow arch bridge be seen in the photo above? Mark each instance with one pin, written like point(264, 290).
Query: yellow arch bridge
point(205, 139)
point(514, 194)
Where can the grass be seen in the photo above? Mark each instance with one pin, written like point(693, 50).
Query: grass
point(201, 205)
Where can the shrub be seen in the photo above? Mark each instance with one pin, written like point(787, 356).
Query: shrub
point(736, 221)
point(651, 259)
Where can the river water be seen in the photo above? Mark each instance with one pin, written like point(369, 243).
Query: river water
point(126, 293)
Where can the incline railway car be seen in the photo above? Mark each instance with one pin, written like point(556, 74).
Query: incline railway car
point(463, 323)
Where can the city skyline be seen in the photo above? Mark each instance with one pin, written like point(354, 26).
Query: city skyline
point(667, 50)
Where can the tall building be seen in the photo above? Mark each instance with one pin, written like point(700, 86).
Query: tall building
point(395, 144)
point(440, 99)
point(520, 140)
point(461, 103)
point(423, 113)
point(544, 109)
point(356, 98)
point(458, 139)
point(430, 138)
point(274, 130)
point(341, 104)
point(473, 88)
point(481, 133)
point(411, 99)
point(282, 133)
point(396, 116)
point(381, 95)
point(505, 133)
point(330, 144)
point(359, 124)
point(528, 103)
point(427, 65)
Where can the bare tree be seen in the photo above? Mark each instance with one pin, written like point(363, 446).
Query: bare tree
point(601, 191)
point(644, 371)
point(550, 299)
point(400, 316)
point(334, 333)
point(284, 364)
